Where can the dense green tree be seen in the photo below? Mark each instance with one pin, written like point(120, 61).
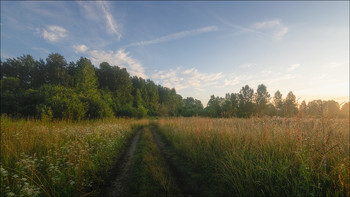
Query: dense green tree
point(214, 106)
point(278, 103)
point(290, 104)
point(56, 70)
point(246, 105)
point(191, 107)
point(302, 109)
point(262, 98)
point(87, 87)
point(153, 97)
point(10, 87)
point(62, 103)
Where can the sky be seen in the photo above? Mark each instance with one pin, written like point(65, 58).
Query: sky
point(200, 48)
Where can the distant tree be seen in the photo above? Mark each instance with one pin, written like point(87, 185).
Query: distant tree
point(56, 70)
point(86, 85)
point(191, 107)
point(302, 109)
point(278, 103)
point(214, 106)
point(153, 97)
point(290, 108)
point(246, 105)
point(262, 98)
point(331, 108)
point(10, 87)
point(61, 102)
point(345, 110)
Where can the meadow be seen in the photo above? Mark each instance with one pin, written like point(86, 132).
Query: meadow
point(214, 157)
point(60, 158)
point(263, 156)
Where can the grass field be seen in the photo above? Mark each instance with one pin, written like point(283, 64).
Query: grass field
point(41, 158)
point(215, 157)
point(267, 156)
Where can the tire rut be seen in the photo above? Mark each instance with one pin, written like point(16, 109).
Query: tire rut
point(169, 156)
point(118, 184)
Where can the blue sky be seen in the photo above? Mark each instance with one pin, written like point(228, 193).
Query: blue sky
point(199, 48)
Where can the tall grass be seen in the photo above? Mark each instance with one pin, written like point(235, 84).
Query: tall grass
point(40, 158)
point(264, 156)
point(150, 174)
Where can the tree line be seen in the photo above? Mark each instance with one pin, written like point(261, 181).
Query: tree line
point(55, 89)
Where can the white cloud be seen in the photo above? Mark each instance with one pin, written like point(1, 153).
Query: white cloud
point(275, 27)
point(119, 58)
point(293, 67)
point(92, 11)
point(190, 78)
point(42, 49)
point(112, 26)
point(247, 65)
point(53, 33)
point(80, 48)
point(333, 65)
point(232, 82)
point(175, 36)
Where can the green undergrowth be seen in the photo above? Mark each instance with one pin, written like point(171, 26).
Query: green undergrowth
point(150, 175)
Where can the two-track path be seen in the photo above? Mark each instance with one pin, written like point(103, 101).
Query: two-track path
point(118, 183)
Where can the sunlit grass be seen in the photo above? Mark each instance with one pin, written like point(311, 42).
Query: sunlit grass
point(265, 156)
point(40, 158)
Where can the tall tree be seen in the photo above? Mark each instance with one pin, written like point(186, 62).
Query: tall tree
point(262, 97)
point(56, 69)
point(86, 80)
point(278, 103)
point(246, 105)
point(290, 105)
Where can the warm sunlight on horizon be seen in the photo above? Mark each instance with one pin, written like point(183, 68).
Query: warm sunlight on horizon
point(198, 48)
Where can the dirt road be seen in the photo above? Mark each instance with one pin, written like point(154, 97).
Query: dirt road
point(118, 184)
point(165, 161)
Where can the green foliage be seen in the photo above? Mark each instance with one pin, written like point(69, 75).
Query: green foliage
point(63, 102)
point(290, 104)
point(262, 98)
point(110, 90)
point(191, 107)
point(278, 103)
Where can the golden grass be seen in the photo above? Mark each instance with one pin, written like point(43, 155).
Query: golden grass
point(40, 158)
point(265, 156)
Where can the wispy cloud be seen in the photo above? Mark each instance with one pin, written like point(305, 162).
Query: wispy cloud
point(230, 24)
point(119, 58)
point(190, 78)
point(247, 65)
point(80, 48)
point(41, 49)
point(275, 27)
point(175, 36)
point(112, 26)
point(293, 67)
point(53, 33)
point(92, 11)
